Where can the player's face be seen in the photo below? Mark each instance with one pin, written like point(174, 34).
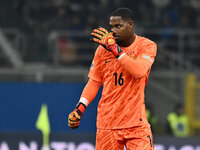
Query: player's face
point(122, 29)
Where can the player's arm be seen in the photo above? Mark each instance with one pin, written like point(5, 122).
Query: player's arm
point(88, 94)
point(141, 65)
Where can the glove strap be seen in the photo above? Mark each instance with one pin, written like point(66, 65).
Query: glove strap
point(81, 107)
point(117, 51)
point(120, 52)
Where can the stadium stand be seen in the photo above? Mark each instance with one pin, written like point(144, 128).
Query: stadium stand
point(56, 32)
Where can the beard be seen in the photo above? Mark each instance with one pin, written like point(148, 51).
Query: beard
point(119, 42)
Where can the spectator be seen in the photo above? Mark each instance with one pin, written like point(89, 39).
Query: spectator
point(177, 122)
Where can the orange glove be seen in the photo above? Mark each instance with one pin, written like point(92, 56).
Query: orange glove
point(75, 116)
point(106, 39)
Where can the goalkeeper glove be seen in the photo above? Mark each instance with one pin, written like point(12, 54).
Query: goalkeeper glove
point(75, 116)
point(106, 39)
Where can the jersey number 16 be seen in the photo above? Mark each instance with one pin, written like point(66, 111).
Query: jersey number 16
point(119, 80)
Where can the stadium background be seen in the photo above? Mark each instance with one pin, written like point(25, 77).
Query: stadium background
point(45, 55)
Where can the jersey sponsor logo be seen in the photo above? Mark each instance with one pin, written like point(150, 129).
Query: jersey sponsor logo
point(147, 57)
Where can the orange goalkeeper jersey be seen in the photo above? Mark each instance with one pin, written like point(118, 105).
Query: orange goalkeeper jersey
point(122, 101)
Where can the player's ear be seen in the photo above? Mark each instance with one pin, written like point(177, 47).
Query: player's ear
point(131, 24)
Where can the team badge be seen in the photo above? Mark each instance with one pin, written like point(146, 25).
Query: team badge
point(132, 55)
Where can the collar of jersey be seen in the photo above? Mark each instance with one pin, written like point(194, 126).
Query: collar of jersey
point(132, 45)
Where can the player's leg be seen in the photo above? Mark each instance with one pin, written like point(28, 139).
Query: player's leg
point(108, 140)
point(139, 138)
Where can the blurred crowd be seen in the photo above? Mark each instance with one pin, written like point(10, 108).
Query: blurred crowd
point(37, 18)
point(45, 15)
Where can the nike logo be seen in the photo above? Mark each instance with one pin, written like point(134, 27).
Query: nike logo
point(107, 61)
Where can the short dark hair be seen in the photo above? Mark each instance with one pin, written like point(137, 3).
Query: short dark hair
point(125, 13)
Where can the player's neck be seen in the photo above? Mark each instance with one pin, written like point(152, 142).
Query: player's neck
point(130, 40)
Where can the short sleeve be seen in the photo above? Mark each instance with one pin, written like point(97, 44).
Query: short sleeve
point(95, 68)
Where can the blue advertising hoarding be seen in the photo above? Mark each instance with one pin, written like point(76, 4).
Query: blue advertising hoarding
point(20, 105)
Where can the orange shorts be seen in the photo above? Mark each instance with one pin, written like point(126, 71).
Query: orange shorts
point(136, 138)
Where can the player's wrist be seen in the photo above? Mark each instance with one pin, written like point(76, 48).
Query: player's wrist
point(120, 56)
point(84, 101)
point(117, 51)
point(80, 108)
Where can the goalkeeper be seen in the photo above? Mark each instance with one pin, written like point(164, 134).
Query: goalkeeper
point(122, 64)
